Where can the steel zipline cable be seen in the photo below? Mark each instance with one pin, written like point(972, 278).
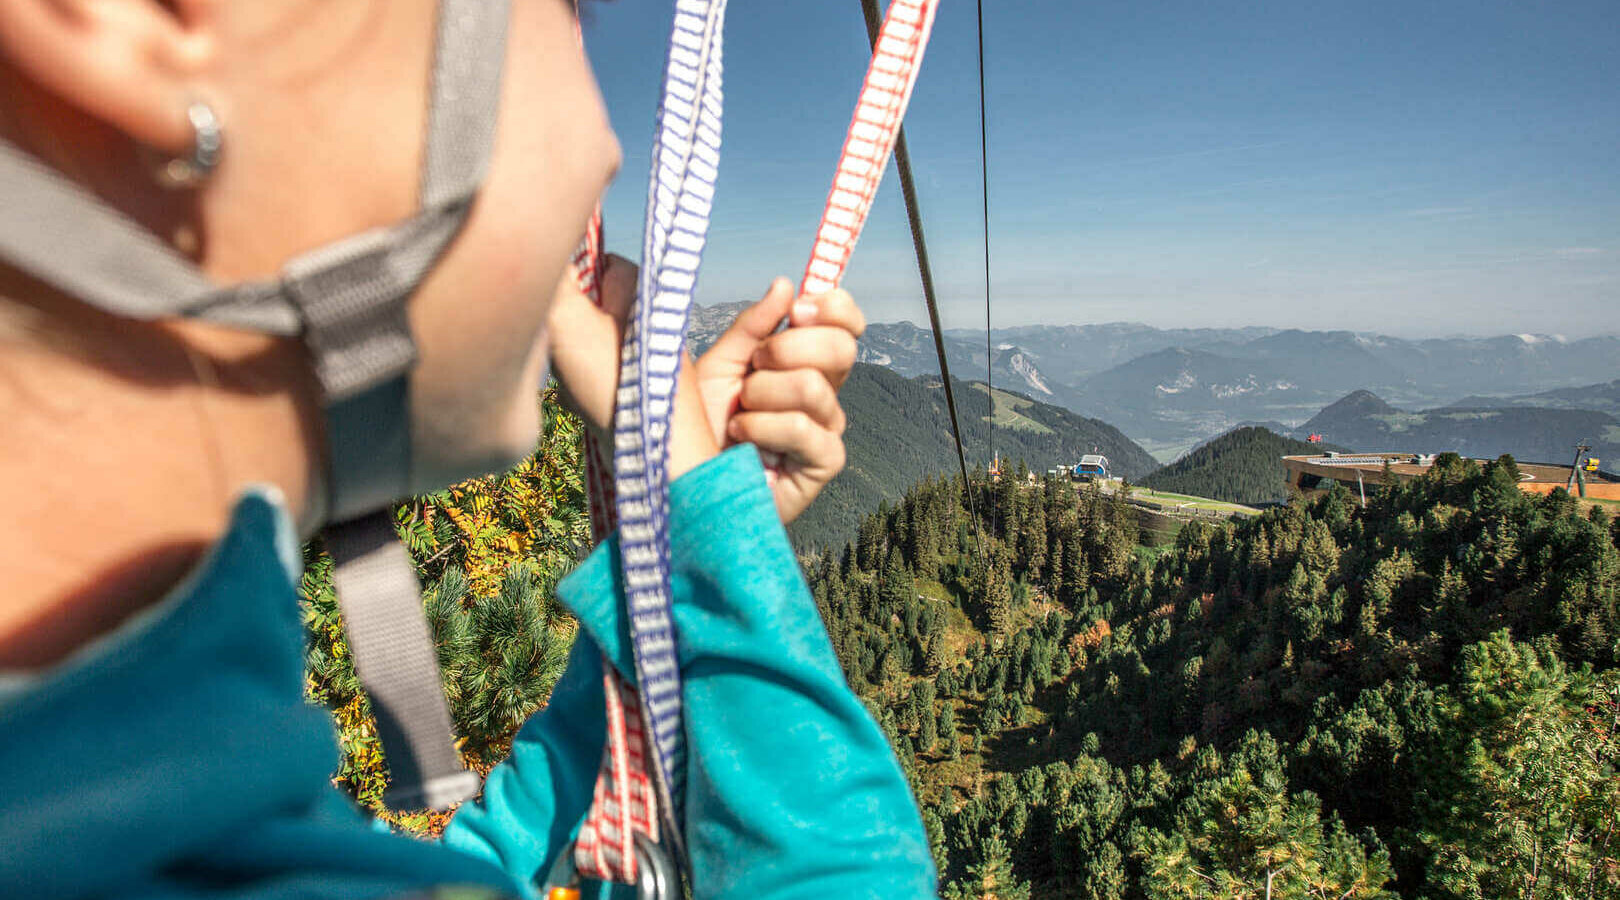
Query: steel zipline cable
point(908, 188)
point(984, 192)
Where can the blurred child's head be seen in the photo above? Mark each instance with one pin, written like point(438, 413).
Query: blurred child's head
point(323, 104)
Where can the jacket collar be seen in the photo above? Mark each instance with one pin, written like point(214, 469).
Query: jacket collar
point(186, 720)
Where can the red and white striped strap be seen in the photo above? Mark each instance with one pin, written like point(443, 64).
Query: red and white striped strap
point(870, 141)
point(623, 803)
point(867, 147)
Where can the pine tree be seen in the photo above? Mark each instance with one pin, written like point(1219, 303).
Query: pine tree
point(927, 552)
point(999, 598)
point(896, 590)
point(1054, 567)
point(928, 733)
point(911, 714)
point(1006, 511)
point(1032, 541)
point(870, 542)
point(911, 614)
point(890, 669)
point(1076, 572)
point(898, 531)
point(994, 720)
point(1528, 807)
point(1105, 874)
point(991, 878)
point(934, 659)
point(934, 826)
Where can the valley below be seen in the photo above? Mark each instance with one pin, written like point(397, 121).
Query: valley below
point(1171, 389)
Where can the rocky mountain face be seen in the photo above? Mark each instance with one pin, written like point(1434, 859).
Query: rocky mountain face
point(705, 324)
point(909, 350)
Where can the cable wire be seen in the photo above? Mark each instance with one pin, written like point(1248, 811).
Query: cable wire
point(908, 188)
point(984, 192)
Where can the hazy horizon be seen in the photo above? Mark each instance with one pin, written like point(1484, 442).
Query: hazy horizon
point(920, 320)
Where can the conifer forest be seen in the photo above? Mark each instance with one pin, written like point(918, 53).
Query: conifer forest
point(1415, 699)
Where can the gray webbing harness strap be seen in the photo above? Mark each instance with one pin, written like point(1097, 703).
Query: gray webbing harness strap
point(347, 301)
point(394, 657)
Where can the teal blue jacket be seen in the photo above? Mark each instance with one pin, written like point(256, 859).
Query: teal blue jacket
point(177, 757)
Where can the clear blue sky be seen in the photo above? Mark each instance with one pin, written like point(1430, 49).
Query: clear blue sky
point(1426, 168)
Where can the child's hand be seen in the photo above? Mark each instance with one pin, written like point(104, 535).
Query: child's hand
point(779, 391)
point(585, 343)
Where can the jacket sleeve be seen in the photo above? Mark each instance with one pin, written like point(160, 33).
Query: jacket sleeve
point(534, 800)
point(791, 788)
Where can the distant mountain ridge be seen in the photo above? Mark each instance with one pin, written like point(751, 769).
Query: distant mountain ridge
point(1366, 422)
point(1601, 397)
point(1171, 388)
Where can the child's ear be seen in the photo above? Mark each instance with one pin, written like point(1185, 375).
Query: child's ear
point(136, 65)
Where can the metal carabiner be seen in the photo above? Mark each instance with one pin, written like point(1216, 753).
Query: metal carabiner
point(562, 880)
point(656, 877)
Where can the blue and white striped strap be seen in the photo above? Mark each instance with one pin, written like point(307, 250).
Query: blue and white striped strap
point(685, 160)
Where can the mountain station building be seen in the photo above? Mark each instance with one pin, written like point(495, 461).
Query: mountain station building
point(1092, 467)
point(1312, 475)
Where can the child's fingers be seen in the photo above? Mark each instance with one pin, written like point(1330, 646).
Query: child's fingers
point(792, 434)
point(834, 309)
point(827, 349)
point(806, 390)
point(753, 325)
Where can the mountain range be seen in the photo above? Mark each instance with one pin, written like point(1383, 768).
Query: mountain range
point(900, 431)
point(1144, 395)
point(1172, 388)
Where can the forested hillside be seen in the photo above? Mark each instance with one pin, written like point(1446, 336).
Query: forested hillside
point(1415, 699)
point(899, 432)
point(1243, 465)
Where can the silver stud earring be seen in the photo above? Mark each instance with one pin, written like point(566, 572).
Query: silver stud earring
point(208, 139)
